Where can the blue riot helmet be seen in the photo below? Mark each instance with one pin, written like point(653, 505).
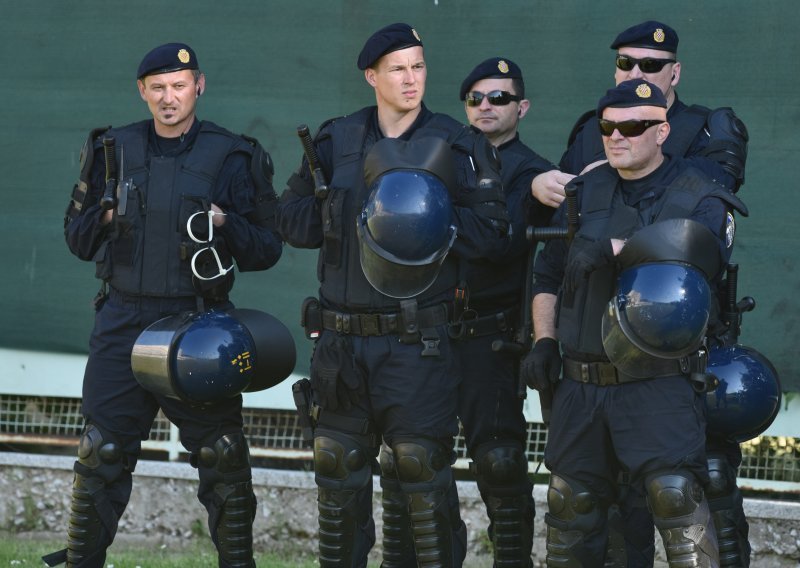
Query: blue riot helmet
point(660, 311)
point(748, 396)
point(205, 357)
point(404, 229)
point(663, 302)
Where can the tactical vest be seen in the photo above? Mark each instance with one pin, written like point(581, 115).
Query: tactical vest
point(604, 215)
point(343, 284)
point(150, 250)
point(684, 128)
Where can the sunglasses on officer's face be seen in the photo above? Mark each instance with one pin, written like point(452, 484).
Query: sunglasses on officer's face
point(646, 64)
point(496, 98)
point(628, 128)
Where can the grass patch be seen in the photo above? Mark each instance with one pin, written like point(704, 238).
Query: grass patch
point(17, 551)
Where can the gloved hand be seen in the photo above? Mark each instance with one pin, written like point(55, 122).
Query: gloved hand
point(336, 378)
point(541, 367)
point(588, 256)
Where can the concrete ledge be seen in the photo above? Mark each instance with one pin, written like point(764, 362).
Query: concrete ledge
point(164, 509)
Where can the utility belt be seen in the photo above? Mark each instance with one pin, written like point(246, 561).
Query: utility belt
point(156, 303)
point(411, 323)
point(479, 326)
point(384, 324)
point(604, 373)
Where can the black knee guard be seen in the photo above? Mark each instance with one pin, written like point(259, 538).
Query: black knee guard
point(343, 468)
point(94, 515)
point(726, 505)
point(423, 468)
point(226, 490)
point(398, 543)
point(573, 514)
point(501, 470)
point(681, 515)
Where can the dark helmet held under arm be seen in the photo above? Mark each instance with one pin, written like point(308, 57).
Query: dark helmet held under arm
point(748, 395)
point(663, 302)
point(405, 227)
point(210, 356)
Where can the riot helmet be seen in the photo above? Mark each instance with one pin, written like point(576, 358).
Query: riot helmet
point(659, 311)
point(205, 357)
point(748, 395)
point(404, 229)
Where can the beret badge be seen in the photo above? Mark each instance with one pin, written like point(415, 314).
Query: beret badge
point(643, 91)
point(183, 56)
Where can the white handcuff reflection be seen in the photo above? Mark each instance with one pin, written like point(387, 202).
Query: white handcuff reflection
point(221, 270)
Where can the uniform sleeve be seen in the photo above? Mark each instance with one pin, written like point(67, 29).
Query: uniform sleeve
point(84, 234)
point(254, 247)
point(480, 215)
point(299, 217)
point(548, 270)
point(715, 214)
point(523, 208)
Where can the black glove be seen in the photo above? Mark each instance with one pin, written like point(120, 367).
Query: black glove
point(541, 368)
point(588, 256)
point(336, 378)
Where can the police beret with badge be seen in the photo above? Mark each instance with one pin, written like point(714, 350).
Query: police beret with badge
point(633, 93)
point(387, 39)
point(649, 34)
point(166, 59)
point(492, 68)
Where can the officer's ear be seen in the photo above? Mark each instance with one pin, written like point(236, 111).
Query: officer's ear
point(524, 107)
point(141, 86)
point(662, 133)
point(369, 75)
point(676, 74)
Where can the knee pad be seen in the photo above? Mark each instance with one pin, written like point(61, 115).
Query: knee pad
point(572, 506)
point(422, 461)
point(341, 462)
point(722, 478)
point(501, 468)
point(674, 496)
point(99, 455)
point(226, 459)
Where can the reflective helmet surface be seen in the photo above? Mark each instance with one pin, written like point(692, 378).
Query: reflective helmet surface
point(206, 357)
point(748, 396)
point(405, 232)
point(660, 311)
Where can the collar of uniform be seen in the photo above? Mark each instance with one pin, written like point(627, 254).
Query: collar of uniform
point(508, 143)
point(637, 190)
point(172, 146)
point(423, 117)
point(676, 107)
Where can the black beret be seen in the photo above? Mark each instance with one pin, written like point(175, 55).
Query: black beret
point(495, 68)
point(650, 34)
point(167, 58)
point(391, 38)
point(633, 93)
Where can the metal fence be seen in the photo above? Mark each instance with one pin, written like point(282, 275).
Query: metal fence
point(768, 462)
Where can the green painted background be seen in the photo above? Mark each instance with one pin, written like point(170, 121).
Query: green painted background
point(69, 66)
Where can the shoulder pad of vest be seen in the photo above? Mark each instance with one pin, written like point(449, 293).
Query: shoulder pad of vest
point(579, 124)
point(718, 190)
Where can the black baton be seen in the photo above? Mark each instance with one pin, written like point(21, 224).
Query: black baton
point(320, 186)
point(109, 199)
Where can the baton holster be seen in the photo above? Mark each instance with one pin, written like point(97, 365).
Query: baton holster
point(311, 318)
point(307, 411)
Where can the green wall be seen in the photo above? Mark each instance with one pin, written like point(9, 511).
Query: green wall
point(69, 66)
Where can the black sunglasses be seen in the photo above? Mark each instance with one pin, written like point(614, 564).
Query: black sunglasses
point(646, 64)
point(496, 98)
point(628, 128)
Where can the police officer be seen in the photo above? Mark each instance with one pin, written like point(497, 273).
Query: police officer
point(182, 205)
point(383, 367)
point(490, 407)
point(649, 51)
point(649, 420)
point(717, 140)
